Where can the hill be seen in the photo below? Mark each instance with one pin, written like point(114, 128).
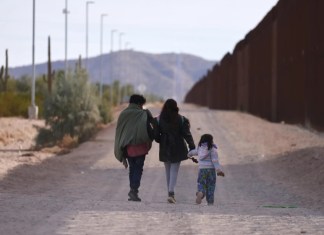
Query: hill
point(166, 75)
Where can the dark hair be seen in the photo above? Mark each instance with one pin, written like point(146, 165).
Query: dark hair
point(137, 99)
point(206, 138)
point(170, 111)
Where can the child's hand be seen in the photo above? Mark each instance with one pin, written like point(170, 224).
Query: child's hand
point(220, 173)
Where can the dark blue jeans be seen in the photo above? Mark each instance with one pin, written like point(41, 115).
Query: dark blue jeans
point(136, 165)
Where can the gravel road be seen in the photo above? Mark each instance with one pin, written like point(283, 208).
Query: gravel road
point(85, 191)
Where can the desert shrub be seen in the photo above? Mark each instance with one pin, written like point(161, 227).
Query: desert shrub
point(71, 109)
point(11, 85)
point(105, 112)
point(16, 100)
point(23, 84)
point(14, 104)
point(105, 107)
point(45, 137)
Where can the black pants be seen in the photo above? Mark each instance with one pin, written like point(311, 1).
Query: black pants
point(136, 165)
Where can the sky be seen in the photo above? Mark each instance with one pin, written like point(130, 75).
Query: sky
point(205, 28)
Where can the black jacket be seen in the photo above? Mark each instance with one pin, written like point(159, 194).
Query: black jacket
point(173, 140)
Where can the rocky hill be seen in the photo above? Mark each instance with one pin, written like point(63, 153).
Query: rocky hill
point(166, 75)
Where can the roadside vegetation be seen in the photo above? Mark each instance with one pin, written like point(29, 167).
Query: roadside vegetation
point(70, 105)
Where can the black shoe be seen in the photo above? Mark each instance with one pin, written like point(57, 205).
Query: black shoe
point(133, 196)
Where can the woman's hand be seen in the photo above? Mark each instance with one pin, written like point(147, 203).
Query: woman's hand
point(125, 163)
point(193, 159)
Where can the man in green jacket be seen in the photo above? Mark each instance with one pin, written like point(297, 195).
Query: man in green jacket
point(133, 141)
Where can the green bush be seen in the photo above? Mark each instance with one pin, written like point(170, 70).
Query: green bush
point(16, 100)
point(14, 104)
point(105, 108)
point(71, 109)
point(45, 138)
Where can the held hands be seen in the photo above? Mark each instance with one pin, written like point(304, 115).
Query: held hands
point(220, 173)
point(193, 159)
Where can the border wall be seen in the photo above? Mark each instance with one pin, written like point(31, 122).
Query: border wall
point(276, 72)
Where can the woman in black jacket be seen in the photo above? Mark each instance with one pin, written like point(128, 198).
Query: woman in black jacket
point(172, 132)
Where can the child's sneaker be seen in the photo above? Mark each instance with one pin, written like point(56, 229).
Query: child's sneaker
point(199, 197)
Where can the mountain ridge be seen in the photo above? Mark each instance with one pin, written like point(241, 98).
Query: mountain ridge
point(166, 74)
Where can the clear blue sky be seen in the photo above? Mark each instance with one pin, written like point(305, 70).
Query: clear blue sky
point(206, 28)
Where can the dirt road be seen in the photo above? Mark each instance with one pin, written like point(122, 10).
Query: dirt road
point(85, 191)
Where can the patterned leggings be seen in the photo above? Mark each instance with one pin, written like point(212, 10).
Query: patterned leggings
point(207, 183)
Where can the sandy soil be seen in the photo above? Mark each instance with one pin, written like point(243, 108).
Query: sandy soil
point(16, 142)
point(273, 185)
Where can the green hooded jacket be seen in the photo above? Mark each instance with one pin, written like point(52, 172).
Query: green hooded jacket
point(131, 129)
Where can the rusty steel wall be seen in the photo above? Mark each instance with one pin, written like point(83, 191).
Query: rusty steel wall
point(197, 95)
point(232, 86)
point(212, 94)
point(315, 66)
point(276, 71)
point(190, 97)
point(209, 89)
point(241, 52)
point(260, 41)
point(224, 81)
point(292, 32)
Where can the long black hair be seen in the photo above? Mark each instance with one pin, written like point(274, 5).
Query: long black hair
point(206, 138)
point(170, 111)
